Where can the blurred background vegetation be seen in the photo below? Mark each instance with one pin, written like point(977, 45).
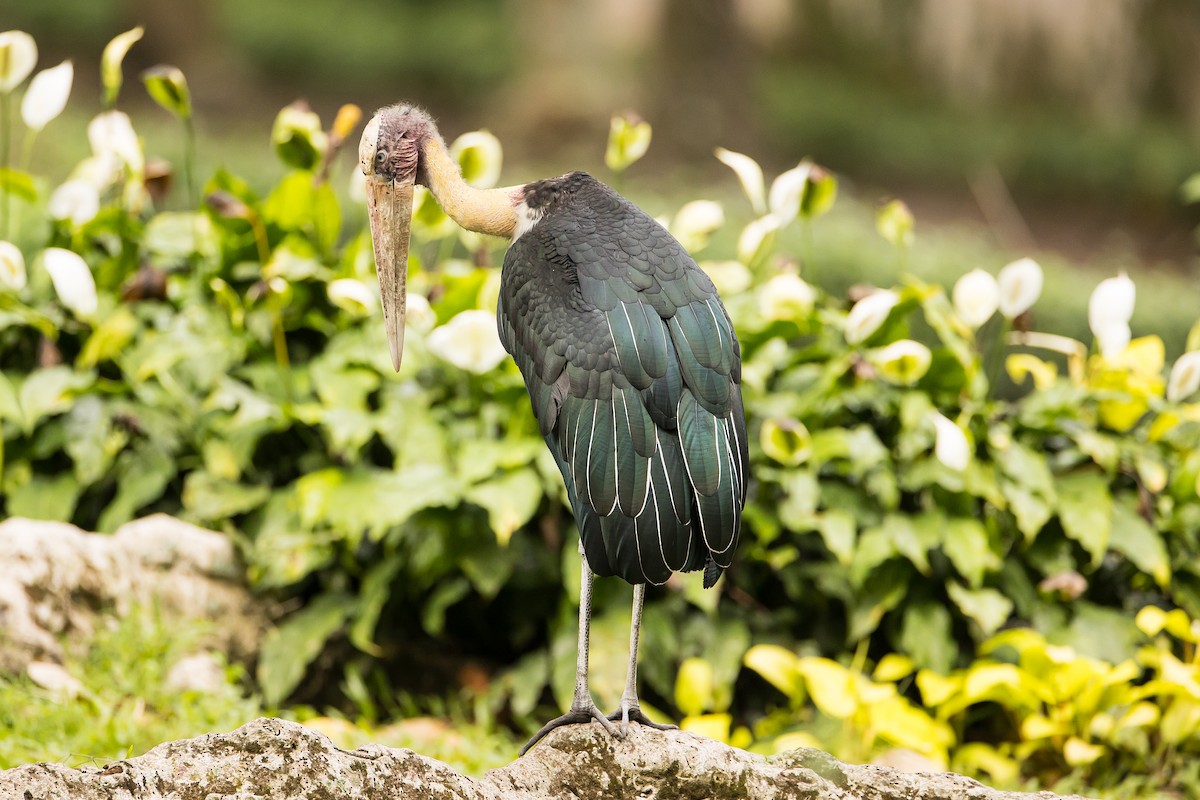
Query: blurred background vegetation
point(413, 523)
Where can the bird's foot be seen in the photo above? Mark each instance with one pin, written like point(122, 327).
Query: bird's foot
point(575, 716)
point(627, 714)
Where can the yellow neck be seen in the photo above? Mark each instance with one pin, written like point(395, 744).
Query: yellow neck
point(490, 211)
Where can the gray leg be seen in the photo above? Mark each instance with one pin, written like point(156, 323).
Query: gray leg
point(583, 708)
point(630, 710)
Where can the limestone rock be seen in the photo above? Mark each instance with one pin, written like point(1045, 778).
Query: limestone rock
point(271, 758)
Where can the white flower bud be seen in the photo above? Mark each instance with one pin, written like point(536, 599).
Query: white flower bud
point(73, 282)
point(469, 341)
point(1112, 338)
point(749, 173)
point(75, 200)
point(976, 297)
point(1020, 284)
point(111, 134)
point(1111, 303)
point(18, 56)
point(695, 222)
point(869, 314)
point(480, 157)
point(950, 444)
point(419, 316)
point(787, 191)
point(12, 266)
point(904, 361)
point(353, 296)
point(785, 296)
point(47, 95)
point(1185, 377)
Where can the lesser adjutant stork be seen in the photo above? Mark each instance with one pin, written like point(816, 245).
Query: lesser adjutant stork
point(629, 356)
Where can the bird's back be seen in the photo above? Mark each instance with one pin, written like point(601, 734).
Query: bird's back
point(634, 373)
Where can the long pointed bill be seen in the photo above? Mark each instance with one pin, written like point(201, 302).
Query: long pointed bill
point(389, 205)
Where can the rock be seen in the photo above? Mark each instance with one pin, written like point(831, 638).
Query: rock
point(271, 758)
point(58, 583)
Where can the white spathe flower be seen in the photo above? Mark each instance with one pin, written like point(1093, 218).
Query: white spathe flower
point(757, 239)
point(101, 171)
point(73, 282)
point(1112, 338)
point(1020, 285)
point(1111, 303)
point(111, 133)
point(18, 56)
point(357, 190)
point(869, 314)
point(787, 191)
point(12, 266)
point(950, 444)
point(976, 297)
point(480, 157)
point(786, 296)
point(1185, 377)
point(469, 341)
point(419, 316)
point(47, 95)
point(730, 277)
point(352, 295)
point(904, 361)
point(749, 173)
point(695, 222)
point(76, 200)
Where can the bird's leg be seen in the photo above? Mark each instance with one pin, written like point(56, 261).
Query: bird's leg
point(583, 708)
point(630, 711)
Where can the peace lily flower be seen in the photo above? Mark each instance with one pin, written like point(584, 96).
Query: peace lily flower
point(695, 222)
point(357, 190)
point(352, 295)
point(12, 266)
point(1185, 377)
point(469, 341)
point(950, 443)
point(757, 239)
point(730, 277)
point(420, 316)
point(100, 171)
point(976, 296)
point(1109, 311)
point(72, 280)
point(787, 190)
point(47, 95)
point(749, 173)
point(480, 156)
point(904, 361)
point(869, 314)
point(18, 55)
point(786, 296)
point(1020, 284)
point(76, 200)
point(111, 134)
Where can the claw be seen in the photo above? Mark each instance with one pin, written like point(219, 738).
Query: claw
point(575, 716)
point(629, 714)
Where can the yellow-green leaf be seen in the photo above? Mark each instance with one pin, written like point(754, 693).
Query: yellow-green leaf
point(694, 686)
point(110, 63)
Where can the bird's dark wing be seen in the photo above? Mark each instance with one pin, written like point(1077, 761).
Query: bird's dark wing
point(634, 372)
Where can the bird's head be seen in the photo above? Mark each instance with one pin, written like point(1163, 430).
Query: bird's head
point(390, 155)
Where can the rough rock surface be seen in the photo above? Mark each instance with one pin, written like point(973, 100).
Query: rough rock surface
point(271, 758)
point(58, 583)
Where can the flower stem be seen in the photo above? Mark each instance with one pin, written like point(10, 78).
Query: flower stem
point(189, 160)
point(5, 137)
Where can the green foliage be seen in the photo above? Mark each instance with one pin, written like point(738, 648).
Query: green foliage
point(233, 373)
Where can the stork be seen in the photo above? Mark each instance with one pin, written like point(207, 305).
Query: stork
point(630, 359)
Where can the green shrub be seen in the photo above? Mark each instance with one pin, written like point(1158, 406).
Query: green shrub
point(229, 367)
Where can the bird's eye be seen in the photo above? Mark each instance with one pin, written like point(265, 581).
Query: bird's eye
point(380, 156)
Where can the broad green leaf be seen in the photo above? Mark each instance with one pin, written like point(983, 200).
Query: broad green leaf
point(209, 498)
point(10, 405)
point(893, 667)
point(628, 140)
point(1135, 539)
point(925, 636)
point(370, 501)
point(511, 500)
point(820, 190)
point(779, 666)
point(109, 338)
point(91, 440)
point(1085, 509)
point(830, 685)
point(839, 531)
point(374, 594)
point(18, 184)
point(785, 440)
point(694, 686)
point(288, 649)
point(966, 545)
point(142, 474)
point(988, 608)
point(45, 497)
point(47, 392)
